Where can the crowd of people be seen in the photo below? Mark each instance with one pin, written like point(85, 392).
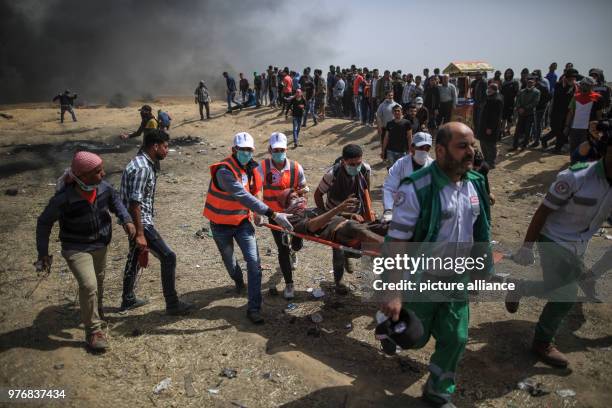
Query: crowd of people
point(444, 199)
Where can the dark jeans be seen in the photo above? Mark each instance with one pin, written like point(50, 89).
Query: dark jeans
point(297, 123)
point(373, 109)
point(576, 137)
point(446, 111)
point(167, 259)
point(521, 132)
point(244, 235)
point(284, 252)
point(64, 109)
point(538, 125)
point(204, 105)
point(488, 145)
point(365, 110)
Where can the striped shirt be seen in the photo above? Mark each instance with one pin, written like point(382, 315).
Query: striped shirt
point(138, 184)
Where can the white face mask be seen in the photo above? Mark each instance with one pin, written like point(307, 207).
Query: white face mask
point(420, 156)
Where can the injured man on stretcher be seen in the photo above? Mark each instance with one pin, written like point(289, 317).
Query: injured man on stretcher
point(338, 225)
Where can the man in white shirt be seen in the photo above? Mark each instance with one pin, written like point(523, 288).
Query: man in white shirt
point(418, 158)
point(575, 207)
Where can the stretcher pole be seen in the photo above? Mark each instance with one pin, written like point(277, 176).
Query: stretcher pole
point(323, 241)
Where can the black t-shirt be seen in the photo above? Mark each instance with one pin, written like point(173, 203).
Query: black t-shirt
point(308, 89)
point(297, 106)
point(414, 123)
point(397, 135)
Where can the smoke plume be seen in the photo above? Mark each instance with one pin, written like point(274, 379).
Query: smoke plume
point(100, 48)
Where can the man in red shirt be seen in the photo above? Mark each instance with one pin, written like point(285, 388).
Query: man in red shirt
point(357, 95)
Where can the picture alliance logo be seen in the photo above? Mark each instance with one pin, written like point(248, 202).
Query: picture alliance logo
point(458, 265)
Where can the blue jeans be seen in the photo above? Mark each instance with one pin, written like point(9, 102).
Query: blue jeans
point(310, 108)
point(365, 110)
point(392, 156)
point(231, 98)
point(297, 122)
point(244, 234)
point(357, 102)
point(538, 125)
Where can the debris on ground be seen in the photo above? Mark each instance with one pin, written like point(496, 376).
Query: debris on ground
point(535, 389)
point(566, 393)
point(11, 191)
point(58, 366)
point(229, 373)
point(189, 390)
point(6, 115)
point(163, 385)
point(316, 318)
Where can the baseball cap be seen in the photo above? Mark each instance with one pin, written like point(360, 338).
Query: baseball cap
point(421, 139)
point(278, 141)
point(418, 100)
point(243, 139)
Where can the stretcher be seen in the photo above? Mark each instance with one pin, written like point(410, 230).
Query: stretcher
point(497, 256)
point(332, 244)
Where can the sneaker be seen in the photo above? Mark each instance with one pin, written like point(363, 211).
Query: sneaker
point(255, 317)
point(294, 259)
point(289, 292)
point(180, 308)
point(96, 341)
point(341, 289)
point(534, 145)
point(512, 302)
point(133, 304)
point(549, 354)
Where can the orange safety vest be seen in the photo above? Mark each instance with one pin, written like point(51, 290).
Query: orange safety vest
point(273, 188)
point(221, 207)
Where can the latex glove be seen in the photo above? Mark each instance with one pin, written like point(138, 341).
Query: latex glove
point(524, 256)
point(282, 220)
point(387, 215)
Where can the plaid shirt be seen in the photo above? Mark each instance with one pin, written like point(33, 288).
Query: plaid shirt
point(138, 184)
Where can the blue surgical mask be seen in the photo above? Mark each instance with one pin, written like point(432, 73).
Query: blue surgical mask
point(279, 157)
point(352, 170)
point(244, 157)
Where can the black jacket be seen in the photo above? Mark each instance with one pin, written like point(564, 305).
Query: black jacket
point(491, 115)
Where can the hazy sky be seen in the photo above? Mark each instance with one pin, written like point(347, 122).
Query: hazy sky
point(410, 35)
point(140, 47)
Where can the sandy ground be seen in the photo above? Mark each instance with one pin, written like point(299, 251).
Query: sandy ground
point(280, 363)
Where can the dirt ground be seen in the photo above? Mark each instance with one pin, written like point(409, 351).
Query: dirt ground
point(284, 362)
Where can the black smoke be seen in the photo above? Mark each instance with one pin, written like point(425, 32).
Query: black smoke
point(137, 47)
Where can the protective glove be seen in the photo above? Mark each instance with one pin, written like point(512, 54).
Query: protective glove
point(387, 215)
point(258, 220)
point(282, 220)
point(524, 256)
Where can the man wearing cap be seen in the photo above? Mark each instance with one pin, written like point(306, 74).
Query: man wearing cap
point(81, 204)
point(147, 123)
point(444, 203)
point(585, 107)
point(575, 207)
point(202, 98)
point(231, 197)
point(422, 114)
point(526, 102)
point(66, 101)
point(418, 158)
point(138, 183)
point(562, 96)
point(278, 173)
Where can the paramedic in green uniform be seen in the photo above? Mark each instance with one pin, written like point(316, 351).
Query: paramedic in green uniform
point(575, 207)
point(447, 203)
